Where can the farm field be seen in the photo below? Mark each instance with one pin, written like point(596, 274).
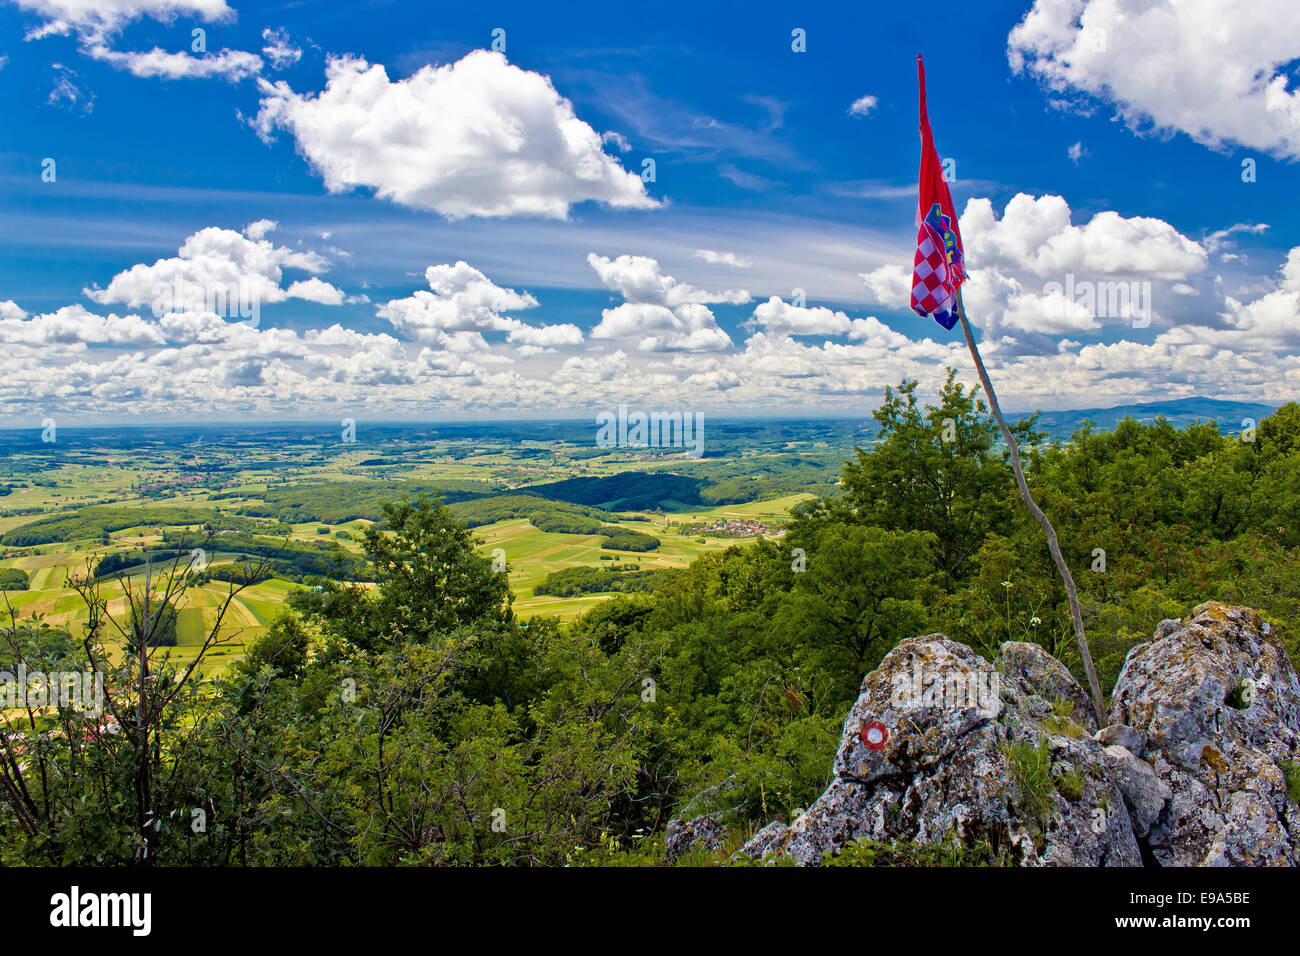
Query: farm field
point(121, 499)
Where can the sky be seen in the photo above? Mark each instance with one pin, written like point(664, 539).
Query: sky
point(213, 210)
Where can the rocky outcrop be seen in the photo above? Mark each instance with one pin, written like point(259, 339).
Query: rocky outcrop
point(1217, 700)
point(968, 752)
point(942, 746)
point(682, 836)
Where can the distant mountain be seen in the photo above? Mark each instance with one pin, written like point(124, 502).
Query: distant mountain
point(1179, 412)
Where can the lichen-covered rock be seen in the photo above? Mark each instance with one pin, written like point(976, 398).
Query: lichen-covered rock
point(1038, 675)
point(1145, 794)
point(1219, 703)
point(682, 836)
point(1121, 735)
point(942, 746)
point(765, 839)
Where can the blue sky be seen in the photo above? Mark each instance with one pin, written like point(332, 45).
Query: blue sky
point(1090, 155)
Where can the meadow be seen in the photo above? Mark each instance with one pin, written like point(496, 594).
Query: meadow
point(117, 494)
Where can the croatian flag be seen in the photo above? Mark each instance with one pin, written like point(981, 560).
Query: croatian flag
point(939, 268)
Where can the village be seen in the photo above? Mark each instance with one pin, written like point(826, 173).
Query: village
point(735, 528)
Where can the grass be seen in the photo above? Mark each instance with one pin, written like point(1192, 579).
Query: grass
point(531, 554)
point(1029, 768)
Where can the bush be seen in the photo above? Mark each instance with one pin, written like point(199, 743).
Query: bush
point(13, 579)
point(623, 539)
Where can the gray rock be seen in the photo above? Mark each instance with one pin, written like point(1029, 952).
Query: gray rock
point(943, 771)
point(1122, 735)
point(1219, 702)
point(682, 836)
point(1145, 794)
point(764, 840)
point(1039, 675)
point(1202, 720)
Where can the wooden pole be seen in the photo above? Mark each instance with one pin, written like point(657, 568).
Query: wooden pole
point(1037, 512)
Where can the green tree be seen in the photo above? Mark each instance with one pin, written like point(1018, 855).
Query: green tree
point(933, 469)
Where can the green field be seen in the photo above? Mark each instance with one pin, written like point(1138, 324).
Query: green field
point(160, 480)
point(531, 554)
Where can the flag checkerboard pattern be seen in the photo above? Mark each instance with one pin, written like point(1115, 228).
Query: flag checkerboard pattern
point(932, 288)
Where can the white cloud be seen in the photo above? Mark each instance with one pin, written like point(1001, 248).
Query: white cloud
point(212, 261)
point(230, 65)
point(1212, 70)
point(1270, 322)
point(1221, 238)
point(259, 229)
point(723, 258)
point(863, 105)
point(668, 315)
point(1032, 270)
point(639, 279)
point(781, 318)
point(544, 336)
point(593, 369)
point(67, 91)
point(1076, 152)
point(9, 310)
point(73, 325)
point(279, 50)
point(616, 139)
point(96, 18)
point(478, 137)
point(463, 303)
point(890, 285)
point(1036, 234)
point(315, 290)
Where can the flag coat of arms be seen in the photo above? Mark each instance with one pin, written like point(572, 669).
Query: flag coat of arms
point(939, 268)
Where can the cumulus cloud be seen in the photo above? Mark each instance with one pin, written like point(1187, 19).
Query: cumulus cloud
point(779, 317)
point(1036, 234)
point(863, 105)
point(639, 279)
point(74, 325)
point(478, 137)
point(1269, 322)
point(315, 290)
point(260, 228)
point(213, 263)
point(461, 304)
point(890, 285)
point(1149, 58)
point(666, 314)
point(1034, 274)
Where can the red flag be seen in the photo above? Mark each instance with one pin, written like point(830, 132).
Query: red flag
point(939, 267)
